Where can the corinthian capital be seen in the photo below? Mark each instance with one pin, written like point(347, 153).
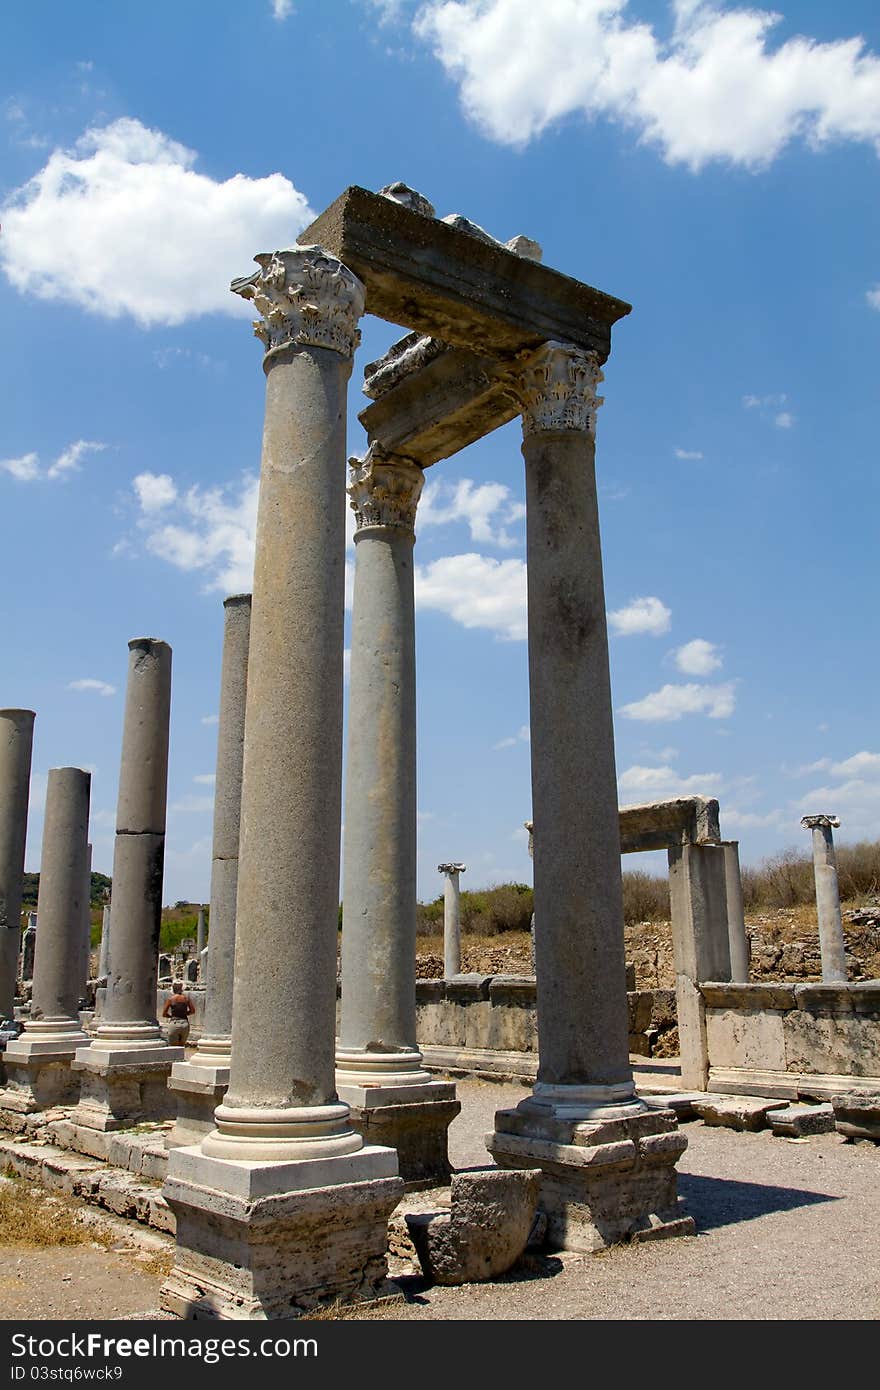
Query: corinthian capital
point(384, 491)
point(557, 389)
point(307, 298)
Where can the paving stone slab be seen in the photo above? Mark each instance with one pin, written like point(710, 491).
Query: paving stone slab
point(796, 1121)
point(736, 1112)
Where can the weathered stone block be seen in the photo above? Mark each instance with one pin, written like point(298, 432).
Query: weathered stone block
point(745, 1038)
point(857, 1116)
point(484, 1232)
point(796, 1121)
point(735, 1112)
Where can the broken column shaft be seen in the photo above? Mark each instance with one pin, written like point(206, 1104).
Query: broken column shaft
point(16, 743)
point(831, 941)
point(451, 918)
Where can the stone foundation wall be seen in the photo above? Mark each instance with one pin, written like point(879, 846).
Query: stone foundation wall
point(786, 1039)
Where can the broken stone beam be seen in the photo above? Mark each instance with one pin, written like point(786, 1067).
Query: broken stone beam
point(663, 824)
point(438, 279)
point(832, 946)
point(16, 743)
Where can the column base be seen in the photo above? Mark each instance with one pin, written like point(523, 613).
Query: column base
point(198, 1089)
point(38, 1067)
point(124, 1085)
point(605, 1180)
point(414, 1120)
point(277, 1240)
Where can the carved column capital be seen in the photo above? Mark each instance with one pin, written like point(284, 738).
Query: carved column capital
point(307, 298)
point(384, 491)
point(821, 822)
point(557, 389)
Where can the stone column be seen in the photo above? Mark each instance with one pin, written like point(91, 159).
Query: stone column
point(28, 948)
point(831, 943)
point(16, 743)
point(200, 1083)
point(451, 918)
point(104, 957)
point(201, 934)
point(86, 940)
point(700, 947)
point(378, 1064)
point(38, 1064)
point(584, 1096)
point(284, 1165)
point(736, 919)
point(126, 1067)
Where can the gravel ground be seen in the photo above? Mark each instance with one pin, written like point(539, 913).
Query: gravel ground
point(786, 1230)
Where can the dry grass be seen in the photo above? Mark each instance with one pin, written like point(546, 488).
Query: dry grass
point(37, 1219)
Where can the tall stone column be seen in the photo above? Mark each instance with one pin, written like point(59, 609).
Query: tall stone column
point(736, 917)
point(38, 1064)
point(451, 918)
point(16, 743)
point(201, 934)
point(379, 1069)
point(200, 1083)
point(284, 1165)
point(104, 956)
point(86, 939)
point(584, 1096)
point(125, 1069)
point(831, 942)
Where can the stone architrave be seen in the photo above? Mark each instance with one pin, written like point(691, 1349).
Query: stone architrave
point(282, 1206)
point(38, 1063)
point(608, 1163)
point(125, 1069)
point(451, 918)
point(379, 1071)
point(832, 945)
point(200, 1083)
point(16, 744)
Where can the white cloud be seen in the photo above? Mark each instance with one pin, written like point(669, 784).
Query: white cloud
point(862, 764)
point(123, 224)
point(476, 591)
point(205, 779)
point(214, 533)
point(486, 509)
point(753, 820)
point(698, 658)
point(522, 735)
point(856, 801)
point(714, 90)
point(25, 469)
point(99, 687)
point(68, 460)
point(784, 420)
point(655, 783)
point(873, 297)
point(820, 765)
point(154, 491)
point(210, 719)
point(643, 615)
point(688, 453)
point(282, 9)
point(671, 702)
point(192, 804)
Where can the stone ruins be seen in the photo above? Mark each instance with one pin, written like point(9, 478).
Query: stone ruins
point(285, 1144)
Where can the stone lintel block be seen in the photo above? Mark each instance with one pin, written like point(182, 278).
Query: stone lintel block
point(197, 1079)
point(484, 1231)
point(430, 991)
point(681, 1103)
point(662, 824)
point(795, 1121)
point(735, 1112)
point(438, 279)
point(600, 1196)
point(824, 998)
point(748, 997)
point(278, 1256)
point(857, 1116)
point(462, 988)
point(417, 1130)
point(440, 408)
point(519, 990)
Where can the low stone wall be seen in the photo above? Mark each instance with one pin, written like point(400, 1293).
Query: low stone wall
point(488, 1022)
point(787, 1040)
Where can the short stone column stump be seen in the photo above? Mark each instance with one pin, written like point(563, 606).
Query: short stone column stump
point(485, 1230)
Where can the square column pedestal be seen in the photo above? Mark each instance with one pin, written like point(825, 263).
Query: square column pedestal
point(38, 1068)
point(197, 1088)
point(122, 1085)
point(413, 1119)
point(276, 1240)
point(606, 1178)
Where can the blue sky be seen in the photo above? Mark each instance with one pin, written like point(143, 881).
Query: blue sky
point(713, 165)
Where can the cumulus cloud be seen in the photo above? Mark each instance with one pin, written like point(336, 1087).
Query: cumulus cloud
point(697, 658)
point(715, 90)
point(671, 702)
point(282, 9)
point(784, 420)
point(205, 779)
point(486, 509)
point(477, 592)
point(89, 683)
point(643, 615)
point(655, 783)
point(27, 469)
point(873, 297)
point(155, 491)
point(210, 719)
point(522, 735)
point(214, 533)
point(688, 453)
point(862, 764)
point(123, 224)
